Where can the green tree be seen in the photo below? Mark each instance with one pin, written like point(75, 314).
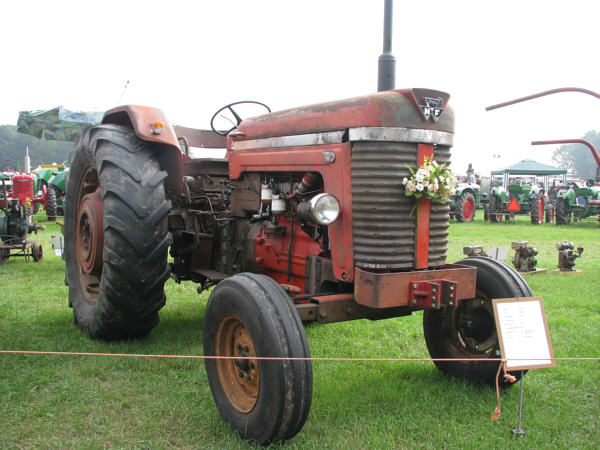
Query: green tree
point(577, 158)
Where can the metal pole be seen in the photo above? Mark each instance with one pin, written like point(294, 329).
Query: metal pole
point(387, 62)
point(518, 431)
point(542, 94)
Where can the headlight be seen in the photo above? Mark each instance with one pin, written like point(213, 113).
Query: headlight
point(323, 209)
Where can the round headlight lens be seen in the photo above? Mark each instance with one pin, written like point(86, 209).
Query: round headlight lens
point(325, 209)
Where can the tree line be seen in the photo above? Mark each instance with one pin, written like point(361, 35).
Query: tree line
point(41, 151)
point(577, 158)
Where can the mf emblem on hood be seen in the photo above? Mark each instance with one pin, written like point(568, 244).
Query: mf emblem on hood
point(430, 103)
point(432, 108)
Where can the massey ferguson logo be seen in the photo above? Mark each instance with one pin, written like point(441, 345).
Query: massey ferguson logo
point(432, 109)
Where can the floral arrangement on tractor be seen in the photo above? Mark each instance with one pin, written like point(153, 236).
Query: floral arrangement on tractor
point(431, 180)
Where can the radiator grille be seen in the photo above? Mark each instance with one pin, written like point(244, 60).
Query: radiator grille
point(383, 227)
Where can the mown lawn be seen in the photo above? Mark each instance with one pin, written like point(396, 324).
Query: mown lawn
point(93, 402)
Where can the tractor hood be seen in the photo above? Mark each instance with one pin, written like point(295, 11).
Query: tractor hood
point(408, 108)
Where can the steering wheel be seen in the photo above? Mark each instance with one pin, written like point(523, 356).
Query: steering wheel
point(238, 119)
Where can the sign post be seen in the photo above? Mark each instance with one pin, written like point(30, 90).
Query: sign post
point(523, 337)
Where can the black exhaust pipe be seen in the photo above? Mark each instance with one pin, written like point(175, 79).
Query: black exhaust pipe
point(387, 62)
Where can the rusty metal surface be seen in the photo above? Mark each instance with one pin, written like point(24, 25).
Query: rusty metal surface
point(542, 94)
point(395, 108)
point(201, 138)
point(343, 307)
point(383, 226)
point(386, 290)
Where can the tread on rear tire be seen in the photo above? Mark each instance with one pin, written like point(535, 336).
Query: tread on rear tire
point(116, 237)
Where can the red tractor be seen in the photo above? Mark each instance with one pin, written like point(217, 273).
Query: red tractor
point(306, 219)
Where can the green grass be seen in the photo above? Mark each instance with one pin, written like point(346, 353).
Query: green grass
point(94, 402)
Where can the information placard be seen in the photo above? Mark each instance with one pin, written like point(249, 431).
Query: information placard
point(523, 333)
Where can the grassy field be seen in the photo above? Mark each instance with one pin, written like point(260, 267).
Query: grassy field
point(96, 402)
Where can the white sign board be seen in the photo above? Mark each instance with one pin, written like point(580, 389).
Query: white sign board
point(523, 333)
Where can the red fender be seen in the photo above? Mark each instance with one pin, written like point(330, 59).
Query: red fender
point(146, 122)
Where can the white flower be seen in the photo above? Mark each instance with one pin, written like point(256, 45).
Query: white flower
point(419, 177)
point(419, 187)
point(404, 181)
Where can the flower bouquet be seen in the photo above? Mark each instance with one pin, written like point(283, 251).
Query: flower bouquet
point(432, 180)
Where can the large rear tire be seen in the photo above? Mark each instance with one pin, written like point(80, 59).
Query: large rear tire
point(469, 331)
point(116, 236)
point(51, 207)
point(537, 208)
point(562, 214)
point(493, 208)
point(250, 315)
point(465, 207)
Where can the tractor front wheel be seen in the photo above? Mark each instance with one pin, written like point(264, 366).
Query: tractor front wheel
point(469, 330)
point(37, 252)
point(116, 236)
point(465, 207)
point(251, 316)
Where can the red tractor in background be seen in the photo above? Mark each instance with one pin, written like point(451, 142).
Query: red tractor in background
point(16, 223)
point(306, 219)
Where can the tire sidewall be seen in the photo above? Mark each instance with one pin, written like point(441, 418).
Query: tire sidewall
point(81, 159)
point(239, 300)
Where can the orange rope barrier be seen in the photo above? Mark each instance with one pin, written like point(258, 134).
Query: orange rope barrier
point(495, 415)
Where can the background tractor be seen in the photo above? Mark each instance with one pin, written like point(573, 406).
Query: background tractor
point(16, 222)
point(466, 198)
point(522, 189)
point(50, 189)
point(576, 200)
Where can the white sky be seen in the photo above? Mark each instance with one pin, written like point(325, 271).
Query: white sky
point(191, 57)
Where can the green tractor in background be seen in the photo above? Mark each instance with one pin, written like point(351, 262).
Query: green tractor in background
point(576, 200)
point(516, 190)
point(50, 186)
point(466, 198)
point(520, 198)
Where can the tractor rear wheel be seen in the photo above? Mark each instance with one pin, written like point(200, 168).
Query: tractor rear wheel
point(116, 236)
point(51, 207)
point(561, 212)
point(465, 207)
point(248, 316)
point(549, 213)
point(494, 207)
point(469, 330)
point(537, 208)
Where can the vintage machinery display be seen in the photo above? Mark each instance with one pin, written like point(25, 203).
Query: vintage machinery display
point(573, 200)
point(305, 220)
point(576, 200)
point(522, 189)
point(524, 258)
point(466, 199)
point(16, 222)
point(50, 189)
point(567, 255)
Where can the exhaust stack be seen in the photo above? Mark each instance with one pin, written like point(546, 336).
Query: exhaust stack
point(387, 61)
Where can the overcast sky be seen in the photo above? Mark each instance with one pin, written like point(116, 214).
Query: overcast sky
point(191, 57)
